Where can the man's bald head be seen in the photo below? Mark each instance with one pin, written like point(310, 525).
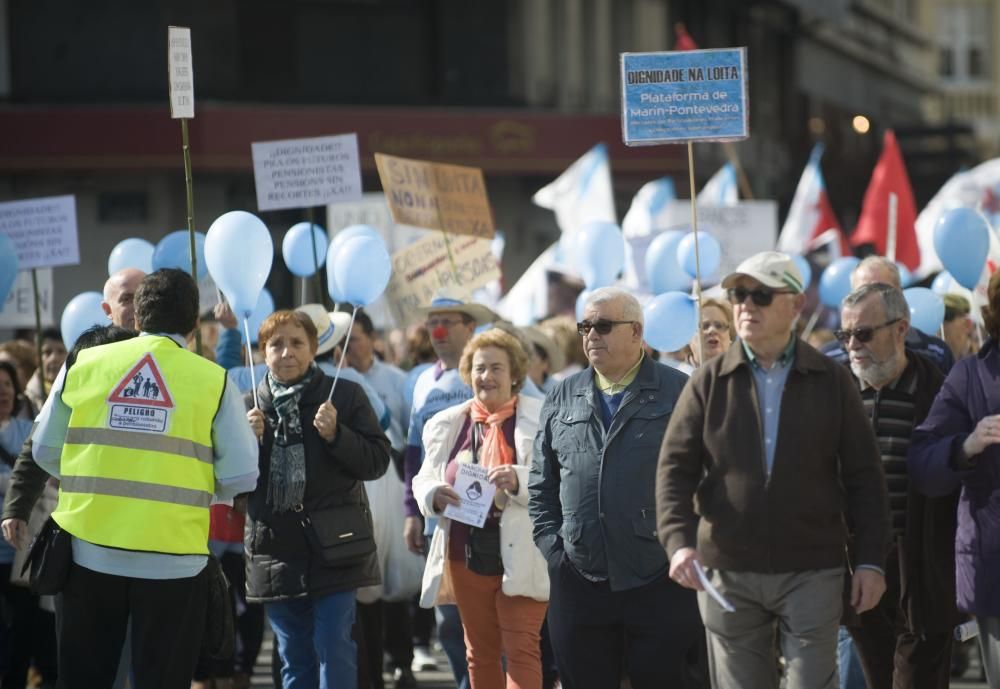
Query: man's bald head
point(119, 291)
point(876, 269)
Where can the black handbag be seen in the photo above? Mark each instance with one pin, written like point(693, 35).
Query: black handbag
point(482, 550)
point(341, 535)
point(49, 559)
point(219, 639)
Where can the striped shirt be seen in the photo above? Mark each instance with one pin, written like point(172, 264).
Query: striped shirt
point(891, 410)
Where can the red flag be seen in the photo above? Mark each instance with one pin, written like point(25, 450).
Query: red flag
point(888, 177)
point(684, 40)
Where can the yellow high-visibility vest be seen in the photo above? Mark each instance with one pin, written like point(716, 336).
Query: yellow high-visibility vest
point(137, 462)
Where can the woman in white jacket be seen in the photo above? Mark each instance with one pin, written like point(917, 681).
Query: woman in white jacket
point(495, 574)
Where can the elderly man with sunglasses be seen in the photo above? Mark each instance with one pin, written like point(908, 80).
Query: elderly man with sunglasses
point(906, 640)
point(767, 448)
point(612, 607)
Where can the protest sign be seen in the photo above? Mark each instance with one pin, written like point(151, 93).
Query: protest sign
point(299, 173)
point(421, 269)
point(43, 231)
point(19, 309)
point(742, 230)
point(684, 96)
point(180, 72)
point(436, 196)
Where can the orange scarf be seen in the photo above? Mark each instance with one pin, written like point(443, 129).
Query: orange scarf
point(495, 450)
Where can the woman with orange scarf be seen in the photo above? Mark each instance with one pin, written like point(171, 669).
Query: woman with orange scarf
point(494, 573)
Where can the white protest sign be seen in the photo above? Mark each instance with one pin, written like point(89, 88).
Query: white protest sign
point(19, 309)
point(476, 493)
point(300, 173)
point(741, 230)
point(424, 267)
point(43, 231)
point(180, 72)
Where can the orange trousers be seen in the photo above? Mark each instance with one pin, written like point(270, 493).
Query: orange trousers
point(497, 625)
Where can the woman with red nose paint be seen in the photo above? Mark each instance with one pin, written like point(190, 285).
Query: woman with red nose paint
point(494, 572)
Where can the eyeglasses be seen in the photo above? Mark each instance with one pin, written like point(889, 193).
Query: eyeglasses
point(447, 323)
point(718, 325)
point(602, 326)
point(863, 334)
point(760, 297)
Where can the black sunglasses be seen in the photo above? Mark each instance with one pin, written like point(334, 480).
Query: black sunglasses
point(760, 297)
point(863, 334)
point(602, 326)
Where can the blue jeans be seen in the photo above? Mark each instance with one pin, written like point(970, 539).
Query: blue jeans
point(452, 637)
point(851, 675)
point(314, 641)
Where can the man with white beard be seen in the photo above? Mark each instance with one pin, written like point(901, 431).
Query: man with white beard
point(905, 641)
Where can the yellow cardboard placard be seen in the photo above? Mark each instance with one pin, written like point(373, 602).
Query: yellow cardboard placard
point(436, 196)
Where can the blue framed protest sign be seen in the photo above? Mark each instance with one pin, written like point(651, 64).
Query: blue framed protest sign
point(684, 96)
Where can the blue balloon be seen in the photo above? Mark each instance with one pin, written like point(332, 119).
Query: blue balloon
point(138, 253)
point(663, 272)
point(174, 251)
point(298, 250)
point(361, 270)
point(905, 276)
point(671, 321)
point(8, 267)
point(962, 242)
point(239, 251)
point(263, 309)
point(943, 283)
point(708, 250)
point(83, 311)
point(805, 268)
point(835, 282)
point(599, 253)
point(926, 309)
point(350, 232)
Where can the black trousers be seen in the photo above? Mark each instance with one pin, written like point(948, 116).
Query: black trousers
point(168, 621)
point(652, 633)
point(891, 656)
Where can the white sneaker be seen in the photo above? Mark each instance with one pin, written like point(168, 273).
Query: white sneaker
point(423, 660)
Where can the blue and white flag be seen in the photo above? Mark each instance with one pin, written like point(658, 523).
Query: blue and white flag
point(648, 212)
point(582, 193)
point(721, 189)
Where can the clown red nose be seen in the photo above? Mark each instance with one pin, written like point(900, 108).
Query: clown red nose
point(439, 333)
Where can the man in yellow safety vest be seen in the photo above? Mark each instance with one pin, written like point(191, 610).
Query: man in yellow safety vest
point(142, 434)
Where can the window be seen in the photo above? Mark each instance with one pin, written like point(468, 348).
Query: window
point(964, 42)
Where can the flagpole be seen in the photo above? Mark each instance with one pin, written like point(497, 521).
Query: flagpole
point(890, 242)
point(38, 331)
point(697, 256)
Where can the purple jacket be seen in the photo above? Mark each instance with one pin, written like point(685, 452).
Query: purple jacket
point(937, 466)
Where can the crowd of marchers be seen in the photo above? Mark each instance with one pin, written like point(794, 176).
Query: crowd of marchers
point(555, 504)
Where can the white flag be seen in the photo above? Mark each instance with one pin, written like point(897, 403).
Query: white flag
point(721, 189)
point(648, 211)
point(582, 193)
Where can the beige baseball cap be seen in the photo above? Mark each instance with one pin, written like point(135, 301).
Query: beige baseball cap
point(770, 268)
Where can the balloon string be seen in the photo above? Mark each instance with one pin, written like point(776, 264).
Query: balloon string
point(253, 381)
point(303, 290)
point(343, 353)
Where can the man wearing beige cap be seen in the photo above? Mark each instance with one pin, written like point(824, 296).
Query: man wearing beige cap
point(773, 440)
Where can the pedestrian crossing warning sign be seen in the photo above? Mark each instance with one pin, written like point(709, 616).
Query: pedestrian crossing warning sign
point(141, 400)
point(143, 385)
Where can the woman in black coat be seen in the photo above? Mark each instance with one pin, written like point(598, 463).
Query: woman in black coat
point(309, 541)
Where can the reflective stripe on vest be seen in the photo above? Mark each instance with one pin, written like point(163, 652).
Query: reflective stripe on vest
point(133, 440)
point(135, 489)
point(149, 487)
